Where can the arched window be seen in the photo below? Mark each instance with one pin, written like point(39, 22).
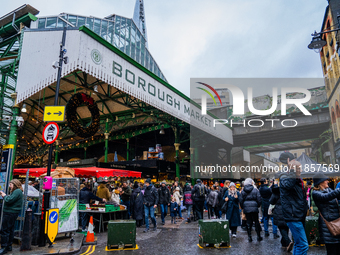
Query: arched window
point(337, 109)
point(333, 116)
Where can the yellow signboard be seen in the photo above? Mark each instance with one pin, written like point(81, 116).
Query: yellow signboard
point(52, 224)
point(8, 146)
point(54, 113)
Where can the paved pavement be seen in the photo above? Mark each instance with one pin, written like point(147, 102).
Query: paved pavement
point(62, 245)
point(170, 238)
point(183, 239)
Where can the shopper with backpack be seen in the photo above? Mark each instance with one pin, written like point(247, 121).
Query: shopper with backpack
point(198, 195)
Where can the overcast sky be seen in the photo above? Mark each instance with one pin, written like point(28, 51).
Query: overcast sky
point(215, 38)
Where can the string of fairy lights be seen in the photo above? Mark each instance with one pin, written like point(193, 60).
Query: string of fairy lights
point(34, 151)
point(73, 134)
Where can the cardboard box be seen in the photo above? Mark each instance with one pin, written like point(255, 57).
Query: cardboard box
point(145, 155)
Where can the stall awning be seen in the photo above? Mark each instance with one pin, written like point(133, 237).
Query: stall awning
point(35, 172)
point(84, 172)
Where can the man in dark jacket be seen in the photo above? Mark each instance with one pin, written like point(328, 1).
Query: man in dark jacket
point(136, 205)
point(265, 195)
point(164, 200)
point(150, 203)
point(85, 196)
point(125, 197)
point(278, 216)
point(250, 201)
point(294, 203)
point(198, 195)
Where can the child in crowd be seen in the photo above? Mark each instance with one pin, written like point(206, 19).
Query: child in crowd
point(173, 210)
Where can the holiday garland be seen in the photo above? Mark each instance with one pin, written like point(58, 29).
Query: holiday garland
point(71, 112)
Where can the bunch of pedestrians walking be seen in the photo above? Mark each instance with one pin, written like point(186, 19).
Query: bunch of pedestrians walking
point(284, 202)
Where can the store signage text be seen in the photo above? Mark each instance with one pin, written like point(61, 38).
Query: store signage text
point(131, 78)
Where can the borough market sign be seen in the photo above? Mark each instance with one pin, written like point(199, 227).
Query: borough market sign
point(93, 55)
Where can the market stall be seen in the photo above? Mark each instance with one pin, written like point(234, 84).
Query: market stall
point(102, 210)
point(33, 172)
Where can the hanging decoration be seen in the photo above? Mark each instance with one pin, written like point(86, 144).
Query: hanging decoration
point(71, 113)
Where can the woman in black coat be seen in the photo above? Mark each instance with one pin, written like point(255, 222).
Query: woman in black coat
point(326, 200)
point(136, 204)
point(250, 201)
point(278, 216)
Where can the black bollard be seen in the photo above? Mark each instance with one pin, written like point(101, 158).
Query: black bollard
point(36, 229)
point(27, 231)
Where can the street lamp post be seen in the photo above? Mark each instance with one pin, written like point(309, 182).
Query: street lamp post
point(47, 194)
point(317, 42)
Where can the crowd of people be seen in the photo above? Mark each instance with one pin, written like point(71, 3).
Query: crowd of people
point(285, 202)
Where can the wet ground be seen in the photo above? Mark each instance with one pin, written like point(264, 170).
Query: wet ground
point(183, 239)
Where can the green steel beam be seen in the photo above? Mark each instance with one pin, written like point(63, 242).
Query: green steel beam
point(8, 28)
point(272, 144)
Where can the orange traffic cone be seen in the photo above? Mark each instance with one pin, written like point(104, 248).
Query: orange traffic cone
point(90, 233)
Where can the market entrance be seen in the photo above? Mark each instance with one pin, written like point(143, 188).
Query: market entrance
point(111, 102)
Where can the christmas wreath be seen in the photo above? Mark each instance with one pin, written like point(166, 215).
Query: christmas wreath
point(71, 113)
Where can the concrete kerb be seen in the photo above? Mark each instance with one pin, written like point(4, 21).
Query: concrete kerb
point(71, 248)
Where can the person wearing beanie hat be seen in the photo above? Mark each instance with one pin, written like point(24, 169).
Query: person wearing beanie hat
point(319, 178)
point(136, 205)
point(250, 201)
point(12, 205)
point(327, 203)
point(285, 157)
point(294, 203)
point(164, 200)
point(248, 181)
point(150, 203)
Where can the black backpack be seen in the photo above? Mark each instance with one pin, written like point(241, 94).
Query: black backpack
point(201, 191)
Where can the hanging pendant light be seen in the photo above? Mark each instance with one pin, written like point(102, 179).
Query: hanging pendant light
point(24, 109)
point(162, 132)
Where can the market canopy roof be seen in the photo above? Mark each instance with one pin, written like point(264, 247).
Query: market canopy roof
point(36, 172)
point(83, 172)
point(105, 172)
point(127, 94)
